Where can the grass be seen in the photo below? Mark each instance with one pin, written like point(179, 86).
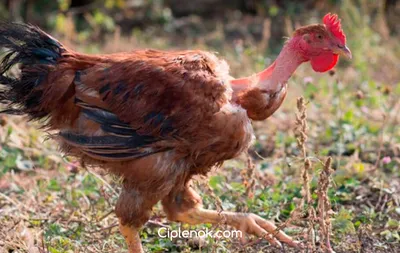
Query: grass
point(50, 204)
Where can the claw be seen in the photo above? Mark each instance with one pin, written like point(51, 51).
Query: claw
point(253, 224)
point(297, 245)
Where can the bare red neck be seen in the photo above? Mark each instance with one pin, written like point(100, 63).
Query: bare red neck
point(263, 93)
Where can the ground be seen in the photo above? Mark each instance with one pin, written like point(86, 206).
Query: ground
point(50, 203)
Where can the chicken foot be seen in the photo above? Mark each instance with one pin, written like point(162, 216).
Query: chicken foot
point(248, 223)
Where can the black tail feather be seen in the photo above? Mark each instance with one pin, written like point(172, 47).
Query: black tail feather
point(36, 53)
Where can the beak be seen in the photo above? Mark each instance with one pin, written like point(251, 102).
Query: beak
point(344, 51)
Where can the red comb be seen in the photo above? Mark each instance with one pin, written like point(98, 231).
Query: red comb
point(332, 22)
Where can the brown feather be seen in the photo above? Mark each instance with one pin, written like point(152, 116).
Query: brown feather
point(156, 118)
point(317, 28)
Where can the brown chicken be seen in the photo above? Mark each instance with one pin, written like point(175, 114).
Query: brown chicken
point(156, 118)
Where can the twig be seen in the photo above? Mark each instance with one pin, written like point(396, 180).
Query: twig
point(378, 158)
point(103, 181)
point(14, 202)
point(248, 177)
point(324, 205)
point(105, 215)
point(102, 229)
point(157, 224)
point(301, 134)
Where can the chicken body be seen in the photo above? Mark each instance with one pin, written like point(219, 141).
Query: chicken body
point(155, 118)
point(168, 118)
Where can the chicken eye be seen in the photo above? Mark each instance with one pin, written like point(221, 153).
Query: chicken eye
point(319, 36)
point(340, 46)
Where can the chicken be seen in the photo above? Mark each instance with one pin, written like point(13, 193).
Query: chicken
point(156, 118)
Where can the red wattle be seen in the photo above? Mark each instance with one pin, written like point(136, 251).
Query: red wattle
point(324, 62)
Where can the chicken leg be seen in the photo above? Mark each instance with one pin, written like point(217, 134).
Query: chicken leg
point(248, 223)
point(184, 205)
point(132, 238)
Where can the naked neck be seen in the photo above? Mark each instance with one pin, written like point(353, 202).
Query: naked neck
point(263, 93)
point(282, 69)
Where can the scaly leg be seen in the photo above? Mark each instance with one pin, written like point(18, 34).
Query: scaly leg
point(132, 238)
point(184, 205)
point(248, 223)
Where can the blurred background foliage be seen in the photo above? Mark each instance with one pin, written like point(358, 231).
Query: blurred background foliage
point(249, 26)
